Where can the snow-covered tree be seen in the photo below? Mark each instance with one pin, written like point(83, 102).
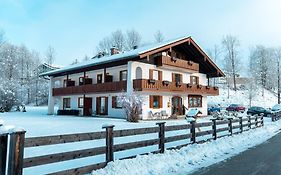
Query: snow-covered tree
point(131, 103)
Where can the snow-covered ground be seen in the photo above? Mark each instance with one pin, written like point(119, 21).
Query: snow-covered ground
point(242, 97)
point(192, 157)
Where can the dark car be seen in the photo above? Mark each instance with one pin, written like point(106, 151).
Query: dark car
point(213, 109)
point(258, 110)
point(236, 107)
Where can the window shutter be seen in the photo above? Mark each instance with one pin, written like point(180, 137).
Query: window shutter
point(98, 105)
point(150, 73)
point(113, 101)
point(181, 78)
point(173, 77)
point(160, 75)
point(197, 80)
point(106, 105)
point(160, 101)
point(150, 101)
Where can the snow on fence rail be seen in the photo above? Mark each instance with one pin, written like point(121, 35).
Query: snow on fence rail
point(16, 162)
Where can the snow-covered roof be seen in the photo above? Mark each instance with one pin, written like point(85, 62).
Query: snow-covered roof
point(112, 58)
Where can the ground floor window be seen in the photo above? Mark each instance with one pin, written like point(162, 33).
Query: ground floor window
point(155, 101)
point(80, 102)
point(116, 102)
point(66, 103)
point(194, 101)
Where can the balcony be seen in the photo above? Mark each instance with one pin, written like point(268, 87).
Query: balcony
point(167, 61)
point(118, 86)
point(165, 86)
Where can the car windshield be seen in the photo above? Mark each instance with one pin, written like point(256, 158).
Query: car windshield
point(233, 105)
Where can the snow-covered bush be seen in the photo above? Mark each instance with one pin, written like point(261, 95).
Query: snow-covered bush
point(131, 103)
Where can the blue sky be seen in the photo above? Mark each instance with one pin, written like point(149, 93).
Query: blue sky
point(74, 27)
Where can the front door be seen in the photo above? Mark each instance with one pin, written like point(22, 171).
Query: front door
point(177, 106)
point(87, 107)
point(102, 106)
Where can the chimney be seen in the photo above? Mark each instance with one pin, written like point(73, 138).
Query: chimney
point(114, 50)
point(135, 47)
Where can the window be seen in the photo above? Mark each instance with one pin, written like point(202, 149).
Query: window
point(123, 75)
point(194, 101)
point(66, 103)
point(116, 102)
point(155, 74)
point(177, 77)
point(80, 102)
point(194, 80)
point(99, 78)
point(155, 101)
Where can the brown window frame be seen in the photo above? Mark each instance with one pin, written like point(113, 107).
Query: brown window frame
point(195, 98)
point(99, 81)
point(196, 80)
point(115, 103)
point(121, 75)
point(159, 74)
point(79, 102)
point(174, 77)
point(65, 104)
point(152, 99)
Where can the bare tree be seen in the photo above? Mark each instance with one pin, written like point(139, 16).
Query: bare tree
point(133, 39)
point(159, 37)
point(1, 37)
point(50, 55)
point(232, 64)
point(215, 54)
point(118, 40)
point(104, 45)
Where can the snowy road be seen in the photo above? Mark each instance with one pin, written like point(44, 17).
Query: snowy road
point(260, 160)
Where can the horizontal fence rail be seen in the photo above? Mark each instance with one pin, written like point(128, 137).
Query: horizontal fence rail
point(189, 133)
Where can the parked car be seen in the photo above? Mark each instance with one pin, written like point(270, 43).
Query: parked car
point(236, 107)
point(213, 109)
point(258, 110)
point(276, 108)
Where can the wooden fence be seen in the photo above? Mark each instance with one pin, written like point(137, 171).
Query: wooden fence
point(276, 116)
point(16, 162)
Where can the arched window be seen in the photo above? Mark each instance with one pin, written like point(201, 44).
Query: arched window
point(138, 73)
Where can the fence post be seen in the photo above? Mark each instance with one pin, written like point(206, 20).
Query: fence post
point(161, 136)
point(241, 124)
point(262, 124)
point(3, 152)
point(192, 131)
point(109, 142)
point(16, 148)
point(256, 121)
point(273, 116)
point(230, 125)
point(249, 121)
point(214, 127)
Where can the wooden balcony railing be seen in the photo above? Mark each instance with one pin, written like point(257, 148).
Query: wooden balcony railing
point(118, 86)
point(164, 86)
point(175, 62)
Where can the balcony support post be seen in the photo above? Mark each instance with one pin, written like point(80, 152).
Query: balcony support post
point(51, 100)
point(130, 77)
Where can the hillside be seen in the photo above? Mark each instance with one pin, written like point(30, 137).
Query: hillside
point(242, 97)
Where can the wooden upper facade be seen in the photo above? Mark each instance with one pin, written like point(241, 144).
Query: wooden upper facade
point(176, 59)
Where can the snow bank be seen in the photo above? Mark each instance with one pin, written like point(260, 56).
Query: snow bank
point(242, 97)
point(192, 157)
